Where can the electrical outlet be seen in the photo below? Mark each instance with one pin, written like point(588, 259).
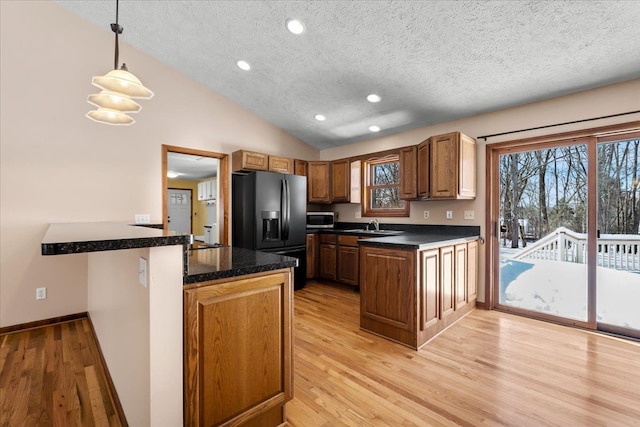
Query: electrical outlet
point(469, 215)
point(142, 272)
point(449, 215)
point(426, 214)
point(41, 293)
point(358, 215)
point(143, 219)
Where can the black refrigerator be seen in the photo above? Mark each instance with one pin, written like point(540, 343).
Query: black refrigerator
point(269, 214)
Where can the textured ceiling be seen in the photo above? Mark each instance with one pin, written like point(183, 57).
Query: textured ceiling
point(431, 61)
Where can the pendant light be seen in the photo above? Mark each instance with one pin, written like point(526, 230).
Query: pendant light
point(118, 86)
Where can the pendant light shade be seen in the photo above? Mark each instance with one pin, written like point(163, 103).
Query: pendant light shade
point(123, 82)
point(114, 101)
point(118, 86)
point(110, 117)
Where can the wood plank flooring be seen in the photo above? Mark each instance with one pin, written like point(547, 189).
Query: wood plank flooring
point(52, 376)
point(490, 368)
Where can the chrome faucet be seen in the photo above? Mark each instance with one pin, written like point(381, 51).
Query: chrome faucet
point(376, 225)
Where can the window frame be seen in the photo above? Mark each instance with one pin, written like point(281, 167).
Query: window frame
point(368, 186)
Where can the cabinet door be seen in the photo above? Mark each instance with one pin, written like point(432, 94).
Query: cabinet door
point(444, 166)
point(202, 191)
point(472, 271)
point(280, 164)
point(424, 170)
point(243, 160)
point(340, 180)
point(312, 255)
point(348, 265)
point(446, 281)
point(238, 349)
point(467, 167)
point(318, 182)
point(408, 173)
point(328, 261)
point(300, 167)
point(429, 288)
point(460, 277)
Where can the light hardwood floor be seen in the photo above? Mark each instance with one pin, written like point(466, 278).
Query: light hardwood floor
point(490, 368)
point(52, 376)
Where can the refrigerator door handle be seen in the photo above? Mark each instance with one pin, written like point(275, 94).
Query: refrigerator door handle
point(287, 211)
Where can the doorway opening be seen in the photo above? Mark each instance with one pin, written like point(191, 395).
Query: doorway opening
point(204, 175)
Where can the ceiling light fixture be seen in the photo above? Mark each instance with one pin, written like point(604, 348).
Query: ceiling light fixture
point(243, 65)
point(118, 87)
point(294, 26)
point(320, 117)
point(171, 174)
point(374, 128)
point(374, 98)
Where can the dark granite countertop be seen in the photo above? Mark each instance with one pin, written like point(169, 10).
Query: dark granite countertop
point(74, 238)
point(219, 263)
point(406, 236)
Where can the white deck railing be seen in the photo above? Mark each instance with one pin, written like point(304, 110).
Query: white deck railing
point(617, 251)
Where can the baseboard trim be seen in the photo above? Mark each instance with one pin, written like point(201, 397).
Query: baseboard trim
point(45, 322)
point(110, 385)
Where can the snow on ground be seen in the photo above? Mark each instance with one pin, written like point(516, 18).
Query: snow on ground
point(560, 288)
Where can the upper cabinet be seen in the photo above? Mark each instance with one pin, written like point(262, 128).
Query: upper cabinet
point(207, 190)
point(423, 182)
point(281, 164)
point(319, 182)
point(300, 167)
point(453, 166)
point(340, 180)
point(246, 161)
point(408, 170)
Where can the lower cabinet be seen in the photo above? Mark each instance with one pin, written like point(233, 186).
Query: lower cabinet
point(238, 350)
point(328, 256)
point(339, 258)
point(410, 296)
point(312, 255)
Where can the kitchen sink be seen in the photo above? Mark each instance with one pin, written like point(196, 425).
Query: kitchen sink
point(381, 232)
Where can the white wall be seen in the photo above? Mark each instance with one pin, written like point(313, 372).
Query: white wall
point(58, 166)
point(608, 100)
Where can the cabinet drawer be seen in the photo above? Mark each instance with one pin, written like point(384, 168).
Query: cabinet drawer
point(347, 240)
point(328, 238)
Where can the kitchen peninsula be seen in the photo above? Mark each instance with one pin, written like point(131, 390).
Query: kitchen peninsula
point(160, 311)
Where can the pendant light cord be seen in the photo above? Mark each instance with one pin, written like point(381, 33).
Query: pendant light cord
point(118, 30)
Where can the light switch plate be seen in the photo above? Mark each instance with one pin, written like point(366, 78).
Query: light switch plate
point(449, 214)
point(358, 215)
point(143, 219)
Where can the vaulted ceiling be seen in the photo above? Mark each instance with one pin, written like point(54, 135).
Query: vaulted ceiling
point(429, 61)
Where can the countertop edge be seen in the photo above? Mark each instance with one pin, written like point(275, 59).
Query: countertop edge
point(449, 240)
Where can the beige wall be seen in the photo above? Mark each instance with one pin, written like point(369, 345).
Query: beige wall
point(58, 166)
point(614, 99)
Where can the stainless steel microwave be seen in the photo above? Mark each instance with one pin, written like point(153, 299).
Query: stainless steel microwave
point(320, 219)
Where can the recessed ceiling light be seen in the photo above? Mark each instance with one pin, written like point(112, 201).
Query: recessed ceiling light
point(243, 65)
point(374, 128)
point(294, 26)
point(320, 117)
point(374, 98)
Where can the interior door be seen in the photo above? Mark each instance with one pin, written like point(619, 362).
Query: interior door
point(179, 211)
point(618, 244)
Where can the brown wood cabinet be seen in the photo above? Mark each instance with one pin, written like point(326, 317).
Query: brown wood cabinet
point(312, 255)
point(238, 350)
point(328, 256)
point(319, 182)
point(408, 173)
point(453, 166)
point(300, 167)
point(424, 170)
point(410, 296)
point(243, 160)
point(280, 164)
point(348, 260)
point(340, 180)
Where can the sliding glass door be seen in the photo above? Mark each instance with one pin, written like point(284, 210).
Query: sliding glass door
point(565, 215)
point(618, 240)
point(543, 232)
